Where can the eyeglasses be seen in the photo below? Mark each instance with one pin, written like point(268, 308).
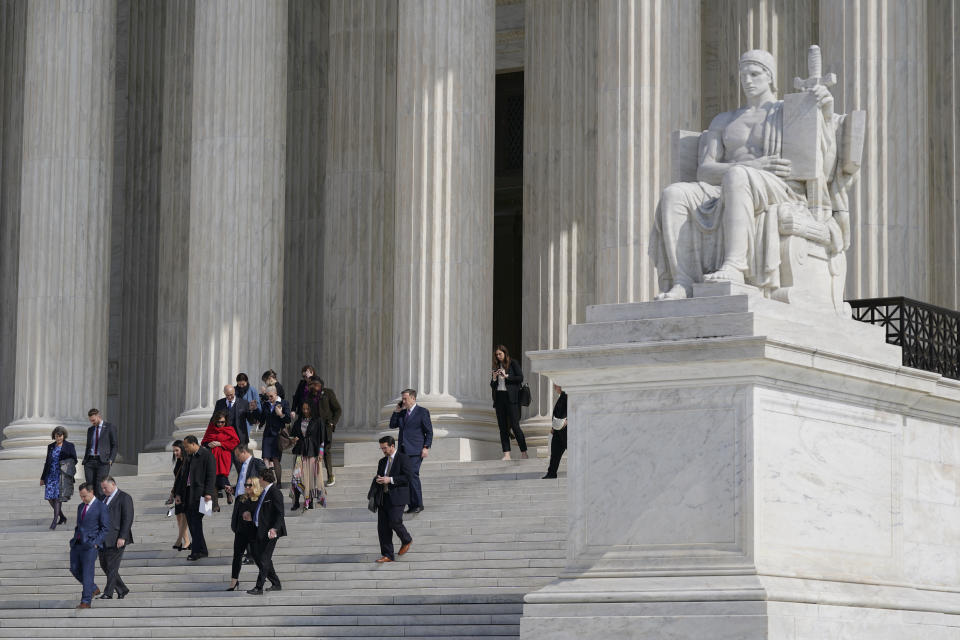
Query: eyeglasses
point(222, 422)
point(248, 485)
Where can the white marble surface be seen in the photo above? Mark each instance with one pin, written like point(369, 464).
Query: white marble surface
point(715, 474)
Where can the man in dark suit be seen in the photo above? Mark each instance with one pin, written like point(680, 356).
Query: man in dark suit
point(415, 439)
point(247, 467)
point(93, 522)
point(201, 473)
point(236, 411)
point(100, 452)
point(393, 475)
point(120, 509)
point(327, 408)
point(268, 518)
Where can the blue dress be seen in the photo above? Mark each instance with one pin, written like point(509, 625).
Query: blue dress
point(52, 484)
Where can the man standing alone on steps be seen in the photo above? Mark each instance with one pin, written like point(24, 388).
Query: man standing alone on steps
point(100, 452)
point(120, 509)
point(393, 478)
point(414, 440)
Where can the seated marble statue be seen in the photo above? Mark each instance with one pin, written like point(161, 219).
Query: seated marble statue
point(729, 224)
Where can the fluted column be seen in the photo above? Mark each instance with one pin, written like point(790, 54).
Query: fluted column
point(878, 50)
point(13, 30)
point(943, 73)
point(444, 220)
point(63, 280)
point(235, 290)
point(785, 28)
point(559, 182)
point(173, 246)
point(304, 275)
point(649, 85)
point(358, 249)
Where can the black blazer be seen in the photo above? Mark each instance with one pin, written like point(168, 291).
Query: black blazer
point(201, 471)
point(107, 444)
point(236, 416)
point(272, 423)
point(240, 526)
point(67, 452)
point(121, 520)
point(398, 493)
point(513, 380)
point(271, 513)
point(310, 440)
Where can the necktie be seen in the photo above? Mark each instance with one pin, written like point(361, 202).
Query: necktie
point(386, 471)
point(83, 514)
point(96, 441)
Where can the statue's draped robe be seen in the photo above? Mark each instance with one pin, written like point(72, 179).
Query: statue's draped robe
point(687, 240)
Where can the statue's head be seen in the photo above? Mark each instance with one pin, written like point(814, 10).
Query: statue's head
point(758, 61)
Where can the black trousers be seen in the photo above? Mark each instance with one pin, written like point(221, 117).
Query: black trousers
point(96, 472)
point(241, 546)
point(195, 524)
point(263, 556)
point(558, 444)
point(327, 457)
point(390, 520)
point(508, 417)
point(110, 558)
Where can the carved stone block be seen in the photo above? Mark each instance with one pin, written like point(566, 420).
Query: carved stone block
point(801, 128)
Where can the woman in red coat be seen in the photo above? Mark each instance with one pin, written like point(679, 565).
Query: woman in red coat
point(221, 439)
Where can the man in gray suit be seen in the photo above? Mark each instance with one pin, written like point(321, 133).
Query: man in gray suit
point(120, 534)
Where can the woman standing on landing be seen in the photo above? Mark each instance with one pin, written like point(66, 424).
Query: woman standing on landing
point(505, 382)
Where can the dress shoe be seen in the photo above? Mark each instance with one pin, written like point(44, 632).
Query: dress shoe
point(405, 548)
point(296, 505)
point(229, 498)
point(96, 591)
point(256, 591)
point(193, 557)
point(106, 596)
point(63, 519)
point(246, 560)
point(121, 596)
point(384, 559)
point(274, 587)
point(83, 605)
point(548, 477)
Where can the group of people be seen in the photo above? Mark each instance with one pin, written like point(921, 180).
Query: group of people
point(203, 466)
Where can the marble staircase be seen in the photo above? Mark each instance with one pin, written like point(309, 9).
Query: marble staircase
point(491, 532)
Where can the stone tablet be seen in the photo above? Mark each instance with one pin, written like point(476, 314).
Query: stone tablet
point(801, 130)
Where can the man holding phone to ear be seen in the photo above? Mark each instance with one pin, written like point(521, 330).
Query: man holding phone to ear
point(414, 440)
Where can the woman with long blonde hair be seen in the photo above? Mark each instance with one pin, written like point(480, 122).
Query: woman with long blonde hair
point(243, 526)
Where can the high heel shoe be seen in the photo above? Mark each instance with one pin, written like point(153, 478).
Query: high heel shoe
point(234, 587)
point(63, 519)
point(178, 547)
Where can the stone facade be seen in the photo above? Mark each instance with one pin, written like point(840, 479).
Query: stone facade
point(196, 189)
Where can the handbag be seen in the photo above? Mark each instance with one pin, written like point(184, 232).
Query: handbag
point(285, 440)
point(523, 395)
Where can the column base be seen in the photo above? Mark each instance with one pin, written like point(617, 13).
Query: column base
point(28, 439)
point(735, 608)
point(443, 450)
point(453, 418)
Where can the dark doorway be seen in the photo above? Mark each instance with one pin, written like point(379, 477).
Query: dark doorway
point(508, 212)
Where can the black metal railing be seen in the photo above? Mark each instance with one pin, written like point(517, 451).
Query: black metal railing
point(928, 336)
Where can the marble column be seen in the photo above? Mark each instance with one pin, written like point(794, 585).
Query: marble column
point(358, 339)
point(304, 275)
point(136, 212)
point(648, 86)
point(63, 279)
point(877, 48)
point(559, 183)
point(443, 282)
point(235, 290)
point(943, 82)
point(173, 244)
point(785, 28)
point(12, 43)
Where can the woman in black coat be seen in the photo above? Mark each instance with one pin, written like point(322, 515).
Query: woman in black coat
point(505, 382)
point(179, 489)
point(308, 430)
point(243, 527)
point(58, 483)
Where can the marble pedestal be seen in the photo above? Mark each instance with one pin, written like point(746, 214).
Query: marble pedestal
point(741, 469)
